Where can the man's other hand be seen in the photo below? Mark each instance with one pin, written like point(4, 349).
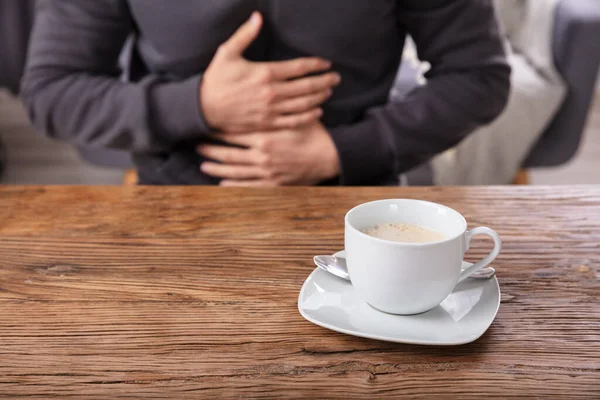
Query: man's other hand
point(287, 157)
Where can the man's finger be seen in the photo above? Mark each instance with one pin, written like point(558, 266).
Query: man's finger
point(233, 172)
point(302, 104)
point(297, 120)
point(284, 70)
point(249, 183)
point(239, 139)
point(307, 86)
point(244, 36)
point(228, 155)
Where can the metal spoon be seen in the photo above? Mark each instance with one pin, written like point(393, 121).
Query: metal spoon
point(337, 266)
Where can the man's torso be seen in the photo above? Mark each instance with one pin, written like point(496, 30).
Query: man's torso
point(362, 38)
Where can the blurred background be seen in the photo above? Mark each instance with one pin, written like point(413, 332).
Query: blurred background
point(567, 151)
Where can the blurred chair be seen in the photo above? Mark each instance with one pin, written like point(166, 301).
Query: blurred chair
point(576, 48)
point(16, 17)
point(576, 53)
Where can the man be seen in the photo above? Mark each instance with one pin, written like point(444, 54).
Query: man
point(265, 92)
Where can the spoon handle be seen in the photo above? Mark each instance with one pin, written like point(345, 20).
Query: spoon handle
point(337, 266)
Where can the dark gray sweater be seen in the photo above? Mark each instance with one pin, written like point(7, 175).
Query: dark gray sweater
point(73, 92)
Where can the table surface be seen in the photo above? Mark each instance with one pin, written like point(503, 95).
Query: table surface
point(192, 292)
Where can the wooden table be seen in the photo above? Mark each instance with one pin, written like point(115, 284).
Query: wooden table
point(192, 292)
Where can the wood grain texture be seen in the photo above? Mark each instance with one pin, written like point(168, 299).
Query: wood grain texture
point(138, 292)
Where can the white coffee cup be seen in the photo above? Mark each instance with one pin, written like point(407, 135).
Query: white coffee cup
point(409, 278)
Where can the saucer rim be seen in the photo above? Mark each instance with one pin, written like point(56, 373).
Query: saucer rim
point(396, 339)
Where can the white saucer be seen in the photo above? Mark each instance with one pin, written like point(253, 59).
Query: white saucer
point(462, 318)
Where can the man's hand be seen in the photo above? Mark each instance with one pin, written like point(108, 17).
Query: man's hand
point(301, 156)
point(240, 96)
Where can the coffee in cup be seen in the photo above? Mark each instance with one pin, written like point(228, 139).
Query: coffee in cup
point(404, 233)
point(416, 273)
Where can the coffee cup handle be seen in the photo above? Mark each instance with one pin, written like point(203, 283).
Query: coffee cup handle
point(486, 261)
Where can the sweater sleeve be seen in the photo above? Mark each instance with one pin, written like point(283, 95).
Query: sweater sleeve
point(467, 86)
point(72, 91)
